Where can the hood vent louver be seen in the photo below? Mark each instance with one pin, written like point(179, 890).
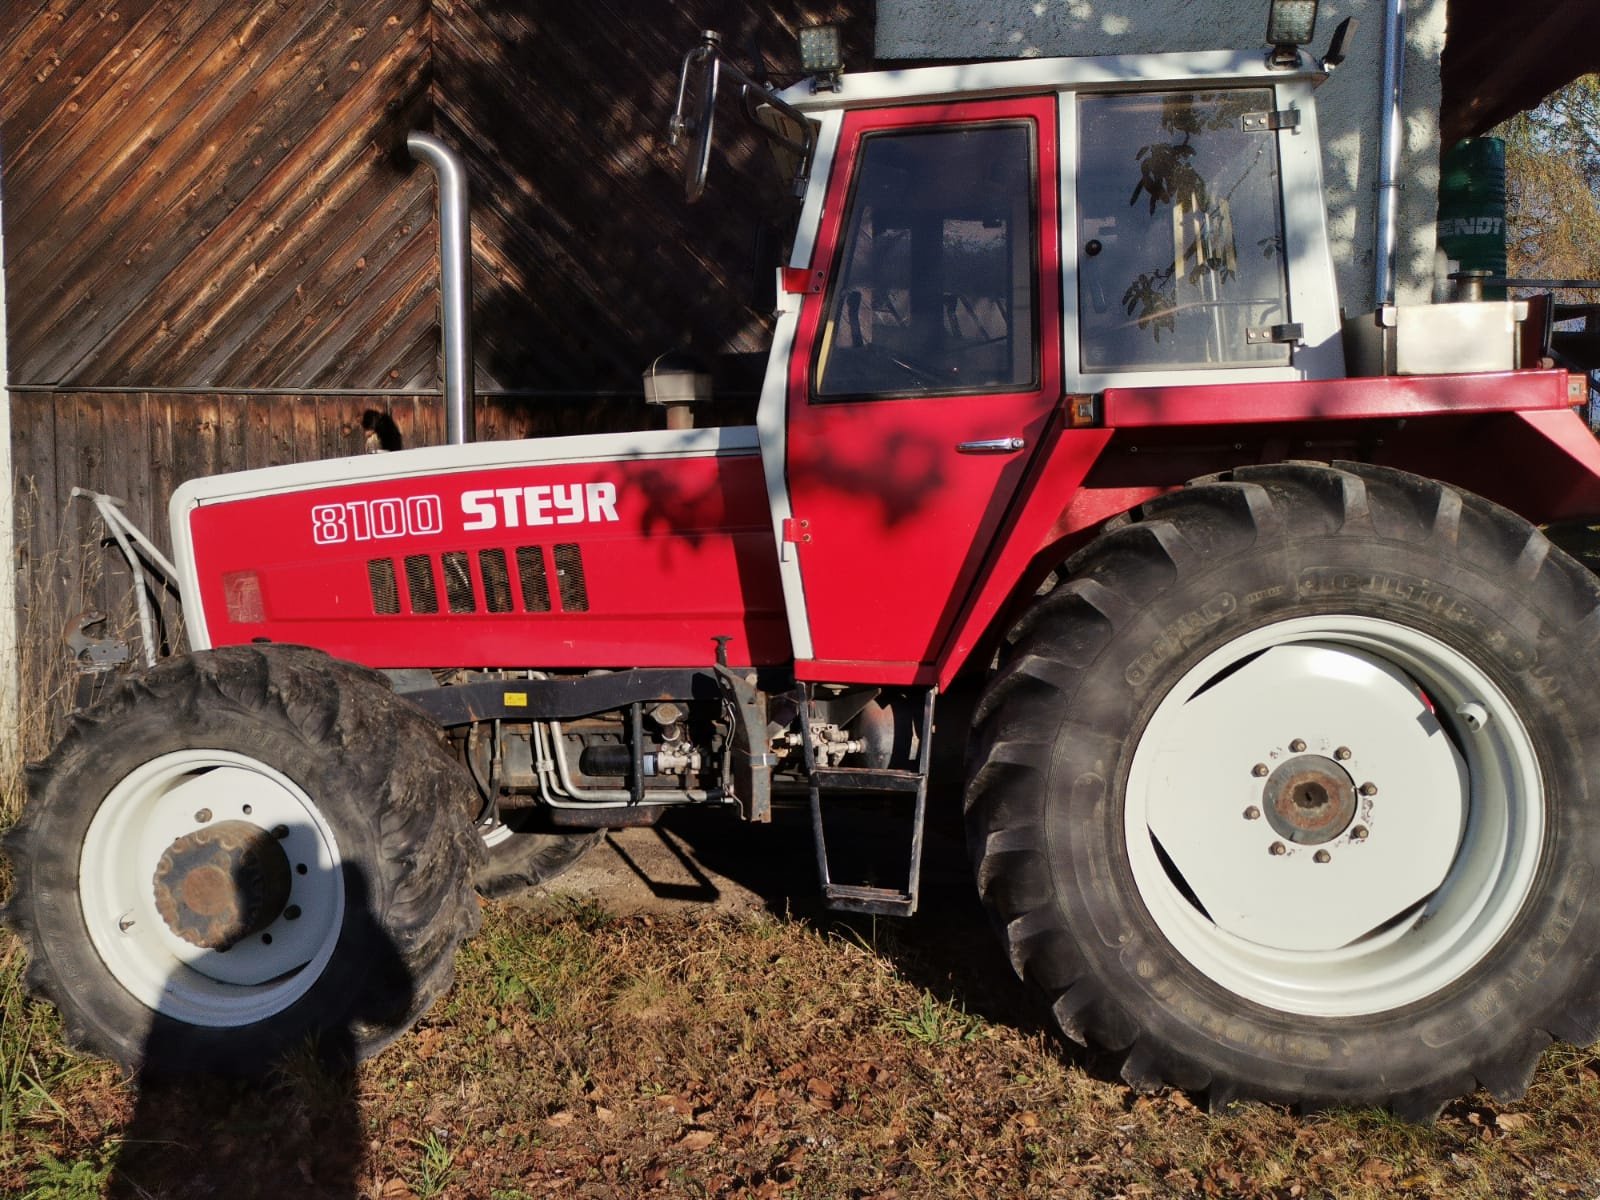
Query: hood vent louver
point(489, 589)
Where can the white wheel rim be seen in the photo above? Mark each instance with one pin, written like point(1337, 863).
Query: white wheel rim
point(1422, 882)
point(177, 795)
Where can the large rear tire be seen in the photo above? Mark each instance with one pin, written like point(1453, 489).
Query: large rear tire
point(522, 856)
point(239, 851)
point(1289, 791)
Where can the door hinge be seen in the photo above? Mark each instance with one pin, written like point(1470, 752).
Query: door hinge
point(1292, 334)
point(803, 281)
point(1263, 122)
point(796, 530)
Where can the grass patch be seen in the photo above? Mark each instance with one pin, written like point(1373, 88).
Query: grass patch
point(650, 1056)
point(436, 1163)
point(935, 1024)
point(81, 1179)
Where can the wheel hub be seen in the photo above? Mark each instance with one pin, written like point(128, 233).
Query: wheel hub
point(1306, 798)
point(218, 885)
point(1309, 799)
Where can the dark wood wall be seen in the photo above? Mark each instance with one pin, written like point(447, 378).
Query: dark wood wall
point(217, 254)
point(206, 194)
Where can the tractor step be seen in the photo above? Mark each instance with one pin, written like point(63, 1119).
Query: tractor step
point(880, 902)
point(865, 779)
point(868, 898)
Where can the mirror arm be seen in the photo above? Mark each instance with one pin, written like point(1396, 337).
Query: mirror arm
point(750, 93)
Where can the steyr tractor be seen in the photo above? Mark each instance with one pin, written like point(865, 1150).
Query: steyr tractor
point(1285, 777)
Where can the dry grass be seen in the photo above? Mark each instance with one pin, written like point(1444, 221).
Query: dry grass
point(586, 1056)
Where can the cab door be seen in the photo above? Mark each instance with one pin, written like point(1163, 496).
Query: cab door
point(924, 373)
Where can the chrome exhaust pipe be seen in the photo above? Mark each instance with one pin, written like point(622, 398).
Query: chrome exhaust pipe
point(455, 281)
point(1391, 138)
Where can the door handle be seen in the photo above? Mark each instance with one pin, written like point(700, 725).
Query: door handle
point(1005, 445)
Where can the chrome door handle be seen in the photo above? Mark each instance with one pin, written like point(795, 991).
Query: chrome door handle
point(1008, 445)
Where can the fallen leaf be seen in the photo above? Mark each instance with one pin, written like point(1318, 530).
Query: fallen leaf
point(1028, 1120)
point(823, 1094)
point(697, 1139)
point(1375, 1170)
point(560, 1119)
point(677, 1104)
point(1511, 1122)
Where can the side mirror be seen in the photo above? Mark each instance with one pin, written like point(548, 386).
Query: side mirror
point(705, 56)
point(706, 63)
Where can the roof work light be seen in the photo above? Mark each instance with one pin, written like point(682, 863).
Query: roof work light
point(1290, 25)
point(821, 55)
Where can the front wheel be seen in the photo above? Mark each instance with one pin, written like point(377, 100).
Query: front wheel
point(242, 850)
point(1289, 792)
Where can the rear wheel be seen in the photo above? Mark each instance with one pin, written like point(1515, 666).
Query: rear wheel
point(241, 850)
point(523, 856)
point(1288, 791)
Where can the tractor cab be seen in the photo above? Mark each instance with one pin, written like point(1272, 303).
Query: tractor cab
point(981, 252)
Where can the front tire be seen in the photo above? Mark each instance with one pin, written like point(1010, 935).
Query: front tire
point(238, 851)
point(1288, 792)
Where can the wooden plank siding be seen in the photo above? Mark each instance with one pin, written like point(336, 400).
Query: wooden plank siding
point(218, 255)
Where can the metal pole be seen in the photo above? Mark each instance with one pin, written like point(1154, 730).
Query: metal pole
point(1389, 139)
point(455, 281)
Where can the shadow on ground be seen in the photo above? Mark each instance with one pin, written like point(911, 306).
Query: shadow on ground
point(711, 859)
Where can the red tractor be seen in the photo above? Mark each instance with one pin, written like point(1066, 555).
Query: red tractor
point(1280, 784)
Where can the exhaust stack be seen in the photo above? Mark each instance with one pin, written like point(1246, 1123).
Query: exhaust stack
point(455, 280)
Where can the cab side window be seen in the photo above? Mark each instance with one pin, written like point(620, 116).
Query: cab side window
point(1180, 232)
point(935, 289)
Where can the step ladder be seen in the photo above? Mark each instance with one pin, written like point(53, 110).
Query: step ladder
point(912, 785)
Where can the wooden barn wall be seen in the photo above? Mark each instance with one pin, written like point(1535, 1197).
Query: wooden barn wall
point(139, 446)
point(218, 255)
point(208, 195)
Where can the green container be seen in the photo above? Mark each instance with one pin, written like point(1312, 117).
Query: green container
point(1472, 207)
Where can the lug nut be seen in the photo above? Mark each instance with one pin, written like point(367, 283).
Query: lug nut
point(1359, 833)
point(1259, 770)
point(202, 816)
point(1298, 745)
point(1369, 789)
point(1277, 848)
point(1342, 753)
point(1322, 856)
point(1252, 813)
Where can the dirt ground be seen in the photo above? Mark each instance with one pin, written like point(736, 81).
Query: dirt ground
point(661, 870)
point(698, 861)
